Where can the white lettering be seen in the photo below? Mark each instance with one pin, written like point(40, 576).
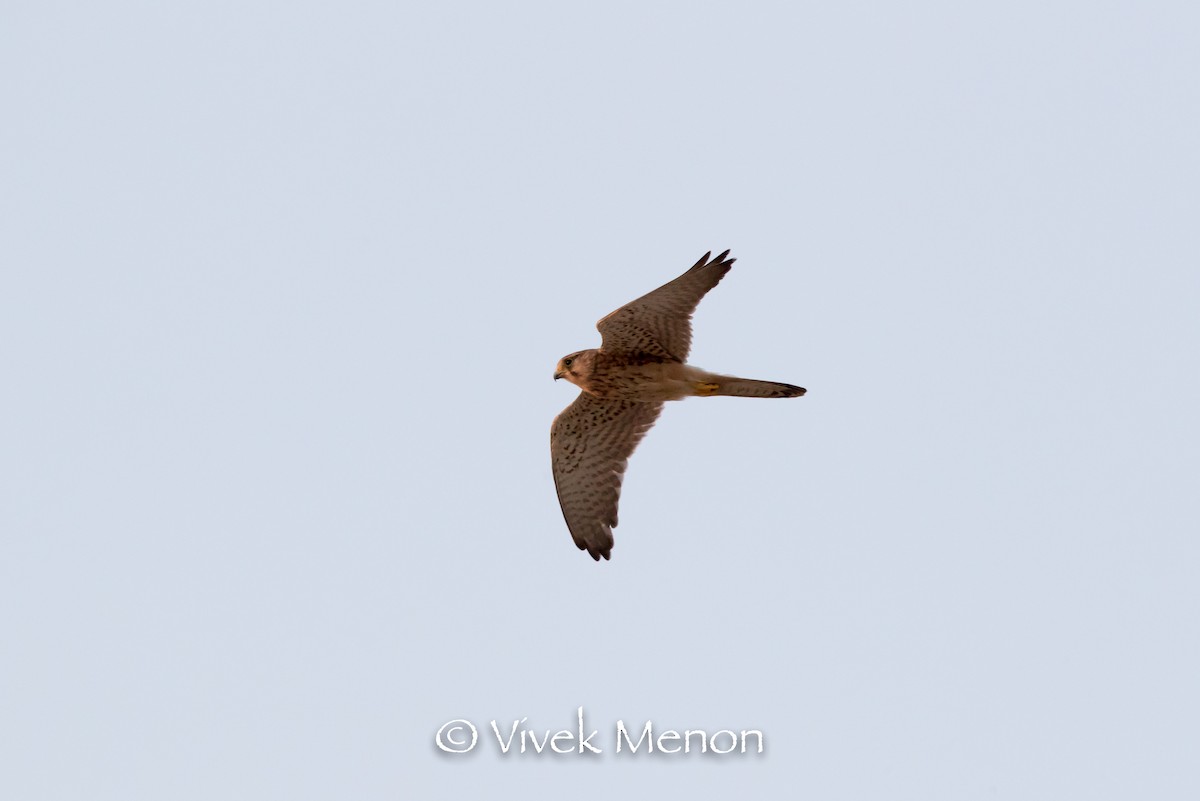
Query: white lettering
point(583, 741)
point(647, 735)
point(669, 734)
point(504, 746)
point(733, 741)
point(536, 745)
point(562, 735)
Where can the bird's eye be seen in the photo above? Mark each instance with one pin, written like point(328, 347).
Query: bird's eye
point(567, 362)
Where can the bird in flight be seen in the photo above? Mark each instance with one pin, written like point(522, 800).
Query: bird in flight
point(640, 363)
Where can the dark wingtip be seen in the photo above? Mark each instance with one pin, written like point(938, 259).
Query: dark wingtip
point(595, 553)
point(703, 261)
point(719, 260)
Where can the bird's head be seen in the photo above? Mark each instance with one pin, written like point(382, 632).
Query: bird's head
point(574, 367)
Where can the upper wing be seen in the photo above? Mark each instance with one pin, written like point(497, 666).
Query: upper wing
point(590, 444)
point(660, 322)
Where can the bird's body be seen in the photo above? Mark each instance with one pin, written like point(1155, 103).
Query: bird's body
point(646, 378)
point(640, 365)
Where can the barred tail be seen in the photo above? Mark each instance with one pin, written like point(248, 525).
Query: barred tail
point(747, 388)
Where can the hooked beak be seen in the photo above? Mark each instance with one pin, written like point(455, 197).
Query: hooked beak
point(559, 374)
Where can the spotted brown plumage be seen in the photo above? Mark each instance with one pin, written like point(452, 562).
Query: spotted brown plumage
point(592, 440)
point(660, 322)
point(639, 365)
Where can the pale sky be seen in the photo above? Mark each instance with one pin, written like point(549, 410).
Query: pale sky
point(283, 288)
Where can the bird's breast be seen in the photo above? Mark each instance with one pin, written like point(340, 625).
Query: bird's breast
point(640, 380)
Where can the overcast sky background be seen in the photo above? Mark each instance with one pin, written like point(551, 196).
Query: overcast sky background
point(283, 286)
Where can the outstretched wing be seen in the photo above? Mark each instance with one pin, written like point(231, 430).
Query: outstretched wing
point(660, 322)
point(590, 444)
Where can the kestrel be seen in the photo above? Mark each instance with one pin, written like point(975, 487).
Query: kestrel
point(639, 364)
